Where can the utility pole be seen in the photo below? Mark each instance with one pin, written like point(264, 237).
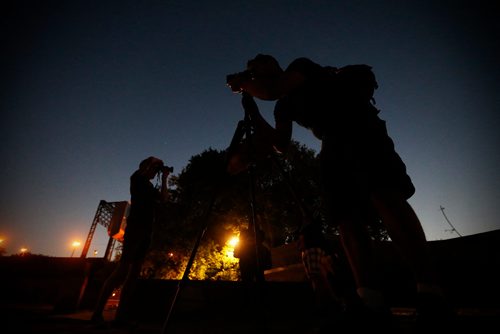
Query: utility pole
point(453, 229)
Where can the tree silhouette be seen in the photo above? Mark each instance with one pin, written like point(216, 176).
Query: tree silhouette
point(287, 193)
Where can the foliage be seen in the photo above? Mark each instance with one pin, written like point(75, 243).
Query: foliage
point(208, 204)
point(213, 263)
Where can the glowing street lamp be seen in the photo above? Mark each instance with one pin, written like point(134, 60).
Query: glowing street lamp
point(233, 241)
point(231, 244)
point(75, 244)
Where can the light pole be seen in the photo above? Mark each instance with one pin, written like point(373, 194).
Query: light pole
point(75, 244)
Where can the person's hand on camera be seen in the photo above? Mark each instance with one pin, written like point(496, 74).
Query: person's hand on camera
point(249, 105)
point(165, 172)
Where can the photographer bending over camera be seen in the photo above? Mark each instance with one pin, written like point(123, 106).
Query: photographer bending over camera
point(360, 169)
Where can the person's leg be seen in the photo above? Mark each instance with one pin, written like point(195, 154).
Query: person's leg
point(405, 230)
point(318, 268)
point(348, 207)
point(371, 312)
point(113, 281)
point(123, 313)
point(358, 249)
point(407, 234)
point(341, 280)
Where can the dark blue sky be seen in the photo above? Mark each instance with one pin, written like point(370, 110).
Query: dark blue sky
point(90, 88)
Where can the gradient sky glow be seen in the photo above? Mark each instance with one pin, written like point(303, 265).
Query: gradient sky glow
point(90, 88)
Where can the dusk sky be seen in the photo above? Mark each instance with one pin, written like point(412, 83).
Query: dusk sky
point(90, 88)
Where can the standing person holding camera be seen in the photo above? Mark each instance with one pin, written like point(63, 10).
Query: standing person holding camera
point(361, 172)
point(137, 238)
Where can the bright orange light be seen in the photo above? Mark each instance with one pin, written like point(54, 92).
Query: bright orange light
point(170, 254)
point(75, 244)
point(233, 241)
point(23, 250)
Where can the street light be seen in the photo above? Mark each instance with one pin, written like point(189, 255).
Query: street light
point(233, 241)
point(75, 245)
point(230, 245)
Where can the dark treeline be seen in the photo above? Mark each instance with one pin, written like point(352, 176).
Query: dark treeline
point(281, 187)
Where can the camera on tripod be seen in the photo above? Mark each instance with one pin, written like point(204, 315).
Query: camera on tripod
point(166, 169)
point(235, 80)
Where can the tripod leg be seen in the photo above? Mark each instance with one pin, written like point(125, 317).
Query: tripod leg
point(238, 134)
point(252, 226)
point(185, 276)
point(259, 275)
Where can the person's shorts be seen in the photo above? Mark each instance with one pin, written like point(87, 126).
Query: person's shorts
point(356, 164)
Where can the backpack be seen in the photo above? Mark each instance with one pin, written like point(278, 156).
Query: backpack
point(354, 81)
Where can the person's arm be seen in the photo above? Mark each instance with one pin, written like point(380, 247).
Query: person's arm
point(164, 188)
point(267, 137)
point(283, 134)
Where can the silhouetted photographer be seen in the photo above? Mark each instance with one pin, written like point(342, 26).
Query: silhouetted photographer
point(360, 169)
point(144, 201)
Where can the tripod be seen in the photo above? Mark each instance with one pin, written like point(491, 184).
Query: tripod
point(243, 137)
point(243, 131)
